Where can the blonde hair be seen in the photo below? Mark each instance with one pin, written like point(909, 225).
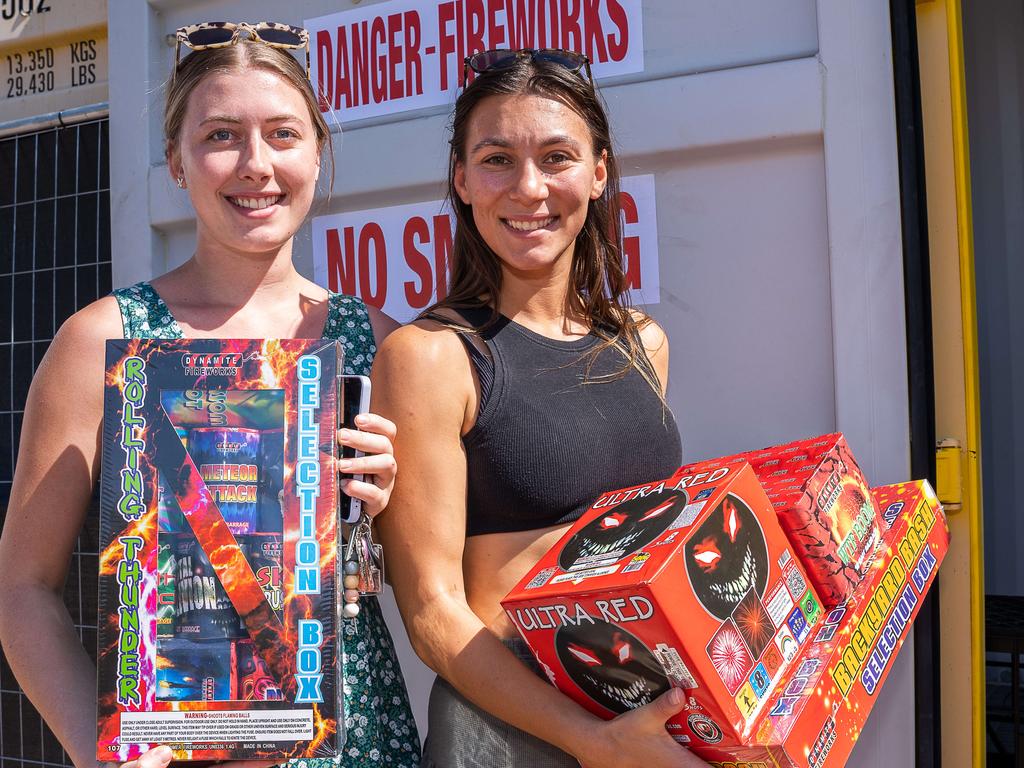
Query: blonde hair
point(195, 67)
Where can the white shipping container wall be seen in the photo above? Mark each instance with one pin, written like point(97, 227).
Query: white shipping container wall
point(770, 134)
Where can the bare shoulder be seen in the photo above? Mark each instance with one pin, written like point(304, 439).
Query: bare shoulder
point(423, 347)
point(424, 362)
point(59, 453)
point(651, 334)
point(655, 342)
point(76, 358)
point(83, 336)
point(381, 323)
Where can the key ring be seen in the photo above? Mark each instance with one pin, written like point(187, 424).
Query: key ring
point(363, 566)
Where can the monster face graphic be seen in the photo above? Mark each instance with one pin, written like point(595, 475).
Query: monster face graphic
point(610, 665)
point(727, 557)
point(623, 529)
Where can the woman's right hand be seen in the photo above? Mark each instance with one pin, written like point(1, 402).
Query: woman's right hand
point(160, 757)
point(638, 739)
point(157, 757)
point(374, 437)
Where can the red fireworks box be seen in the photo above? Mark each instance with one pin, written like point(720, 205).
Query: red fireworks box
point(815, 718)
point(824, 506)
point(218, 536)
point(686, 583)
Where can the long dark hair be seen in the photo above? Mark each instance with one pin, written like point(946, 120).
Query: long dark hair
point(598, 288)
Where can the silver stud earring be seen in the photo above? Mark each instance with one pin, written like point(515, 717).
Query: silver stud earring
point(181, 182)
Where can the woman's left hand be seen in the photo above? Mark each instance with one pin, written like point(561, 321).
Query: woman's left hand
point(375, 438)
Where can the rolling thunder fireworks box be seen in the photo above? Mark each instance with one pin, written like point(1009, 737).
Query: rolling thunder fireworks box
point(687, 583)
point(814, 719)
point(824, 506)
point(218, 567)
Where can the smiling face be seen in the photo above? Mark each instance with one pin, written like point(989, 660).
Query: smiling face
point(249, 156)
point(529, 174)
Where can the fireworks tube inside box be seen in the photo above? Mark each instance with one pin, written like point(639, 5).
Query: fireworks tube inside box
point(687, 583)
point(815, 718)
point(218, 536)
point(825, 507)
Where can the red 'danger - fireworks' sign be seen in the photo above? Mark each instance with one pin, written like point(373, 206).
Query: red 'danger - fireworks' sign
point(397, 258)
point(218, 538)
point(407, 54)
point(815, 717)
point(688, 583)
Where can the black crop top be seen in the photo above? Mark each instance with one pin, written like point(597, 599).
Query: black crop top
point(546, 443)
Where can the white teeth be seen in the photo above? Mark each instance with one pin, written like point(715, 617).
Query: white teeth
point(630, 697)
point(256, 203)
point(735, 590)
point(529, 226)
point(591, 549)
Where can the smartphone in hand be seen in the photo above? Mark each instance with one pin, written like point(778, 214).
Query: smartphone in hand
point(355, 399)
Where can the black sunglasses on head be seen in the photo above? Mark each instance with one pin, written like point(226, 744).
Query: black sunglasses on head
point(490, 61)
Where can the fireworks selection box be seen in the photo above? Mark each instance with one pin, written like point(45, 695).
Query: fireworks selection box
point(640, 595)
point(825, 507)
point(651, 589)
point(814, 720)
point(218, 527)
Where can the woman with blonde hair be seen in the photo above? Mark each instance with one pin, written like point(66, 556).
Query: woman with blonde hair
point(245, 140)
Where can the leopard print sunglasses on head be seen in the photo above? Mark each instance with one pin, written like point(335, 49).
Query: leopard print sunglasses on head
point(220, 34)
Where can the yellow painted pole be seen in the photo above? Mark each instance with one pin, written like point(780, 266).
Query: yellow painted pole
point(968, 311)
point(955, 348)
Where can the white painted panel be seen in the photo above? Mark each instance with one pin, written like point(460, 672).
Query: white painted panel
point(868, 316)
point(694, 36)
point(865, 251)
point(745, 295)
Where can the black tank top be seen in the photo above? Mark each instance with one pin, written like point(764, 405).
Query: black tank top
point(551, 436)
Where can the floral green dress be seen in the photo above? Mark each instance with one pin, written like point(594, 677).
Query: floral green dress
point(378, 721)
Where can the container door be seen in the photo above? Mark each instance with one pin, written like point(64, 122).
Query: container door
point(758, 145)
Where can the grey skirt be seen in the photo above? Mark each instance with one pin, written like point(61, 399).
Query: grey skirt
point(461, 735)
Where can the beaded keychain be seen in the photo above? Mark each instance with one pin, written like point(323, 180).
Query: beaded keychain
point(364, 566)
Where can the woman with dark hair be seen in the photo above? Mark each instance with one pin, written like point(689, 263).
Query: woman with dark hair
point(528, 391)
point(245, 138)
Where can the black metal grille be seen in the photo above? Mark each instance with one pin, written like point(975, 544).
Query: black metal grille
point(1004, 684)
point(54, 259)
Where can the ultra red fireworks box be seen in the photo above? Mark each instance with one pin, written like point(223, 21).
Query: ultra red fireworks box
point(824, 506)
point(686, 583)
point(814, 719)
point(218, 530)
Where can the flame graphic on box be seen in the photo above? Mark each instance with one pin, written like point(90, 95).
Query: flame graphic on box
point(272, 367)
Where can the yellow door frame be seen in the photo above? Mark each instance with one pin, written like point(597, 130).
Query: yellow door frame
point(955, 350)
